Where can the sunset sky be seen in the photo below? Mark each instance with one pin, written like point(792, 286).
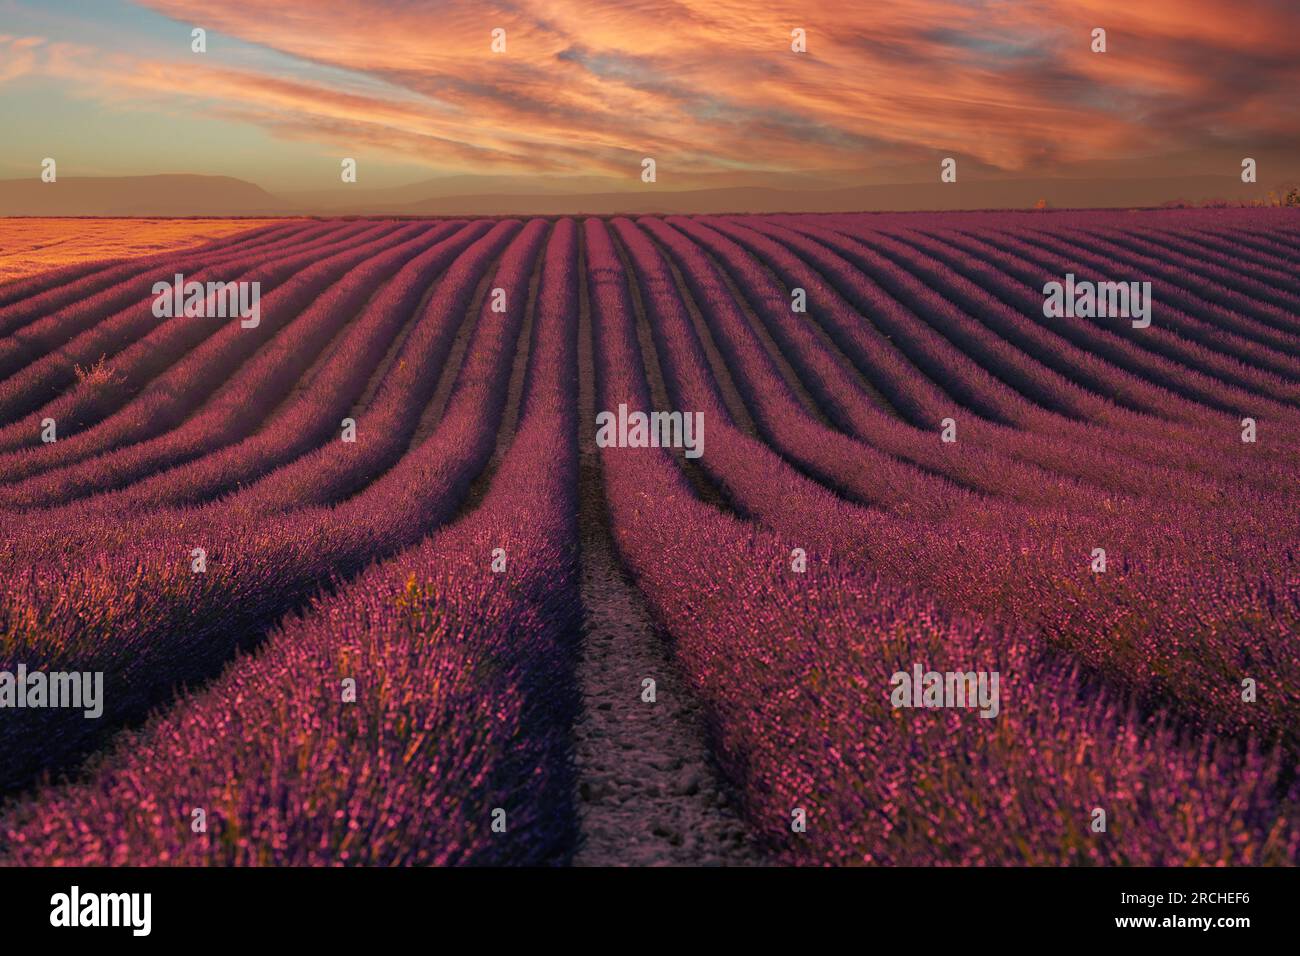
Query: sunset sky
point(586, 88)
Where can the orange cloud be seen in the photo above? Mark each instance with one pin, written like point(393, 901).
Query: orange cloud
point(18, 56)
point(713, 88)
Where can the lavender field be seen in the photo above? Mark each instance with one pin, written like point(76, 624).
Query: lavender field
point(356, 576)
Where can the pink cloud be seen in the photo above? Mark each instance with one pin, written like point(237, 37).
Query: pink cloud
point(713, 87)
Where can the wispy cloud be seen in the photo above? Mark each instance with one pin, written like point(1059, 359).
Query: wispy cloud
point(710, 86)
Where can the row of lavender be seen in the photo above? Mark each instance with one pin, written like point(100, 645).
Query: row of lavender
point(1123, 689)
point(420, 716)
point(797, 667)
point(122, 598)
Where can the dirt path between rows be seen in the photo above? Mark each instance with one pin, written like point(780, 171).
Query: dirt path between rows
point(649, 793)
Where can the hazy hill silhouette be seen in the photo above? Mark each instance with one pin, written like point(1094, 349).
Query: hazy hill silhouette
point(1008, 194)
point(165, 195)
point(192, 195)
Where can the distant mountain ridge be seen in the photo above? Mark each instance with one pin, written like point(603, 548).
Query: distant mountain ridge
point(179, 194)
point(196, 195)
point(993, 194)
